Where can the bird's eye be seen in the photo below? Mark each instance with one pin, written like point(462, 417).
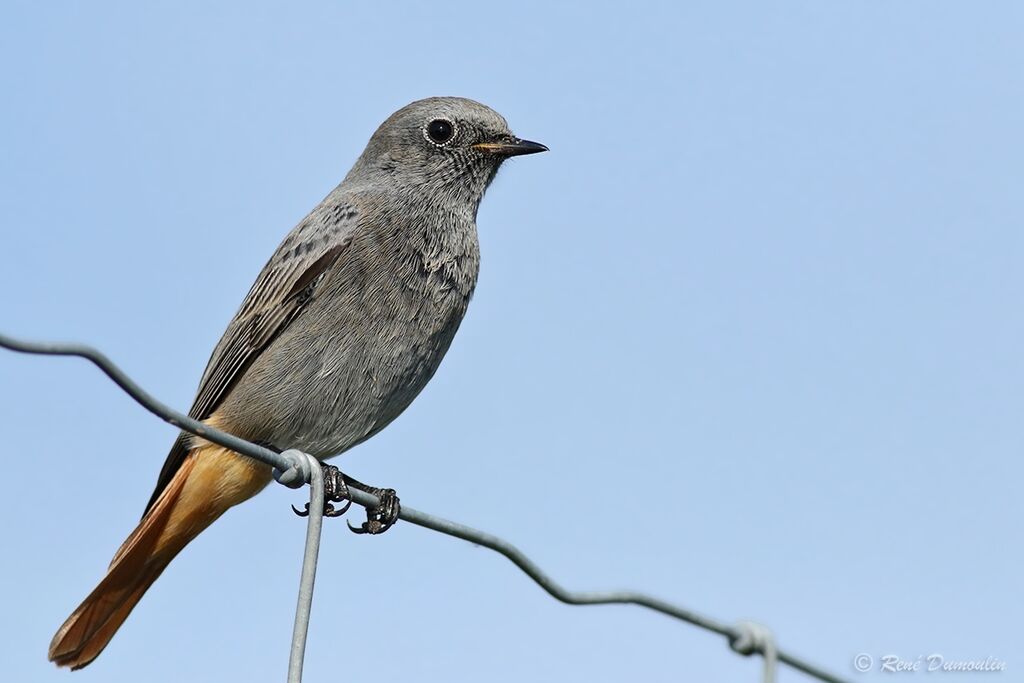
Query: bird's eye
point(440, 131)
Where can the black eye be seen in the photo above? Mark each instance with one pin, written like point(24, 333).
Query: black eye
point(440, 131)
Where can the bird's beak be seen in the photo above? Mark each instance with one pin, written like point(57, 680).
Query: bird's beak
point(510, 147)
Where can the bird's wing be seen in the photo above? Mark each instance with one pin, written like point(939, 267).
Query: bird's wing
point(280, 294)
point(282, 291)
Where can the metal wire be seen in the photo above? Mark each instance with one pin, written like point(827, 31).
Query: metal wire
point(308, 578)
point(294, 469)
point(758, 638)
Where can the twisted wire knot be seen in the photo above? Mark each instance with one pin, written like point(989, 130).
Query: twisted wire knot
point(299, 471)
point(751, 637)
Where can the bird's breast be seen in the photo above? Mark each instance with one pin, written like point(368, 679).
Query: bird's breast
point(370, 341)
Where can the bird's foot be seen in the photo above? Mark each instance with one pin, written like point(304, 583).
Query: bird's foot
point(380, 518)
point(335, 491)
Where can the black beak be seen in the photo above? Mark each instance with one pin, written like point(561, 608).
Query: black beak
point(510, 147)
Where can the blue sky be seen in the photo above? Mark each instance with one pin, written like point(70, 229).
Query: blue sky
point(748, 338)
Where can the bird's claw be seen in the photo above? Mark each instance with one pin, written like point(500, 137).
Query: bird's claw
point(382, 517)
point(335, 491)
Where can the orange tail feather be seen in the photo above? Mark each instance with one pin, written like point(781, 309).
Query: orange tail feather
point(211, 480)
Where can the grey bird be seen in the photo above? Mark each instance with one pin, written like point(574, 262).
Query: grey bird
point(344, 326)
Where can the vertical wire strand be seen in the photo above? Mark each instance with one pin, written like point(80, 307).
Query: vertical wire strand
point(771, 662)
point(308, 578)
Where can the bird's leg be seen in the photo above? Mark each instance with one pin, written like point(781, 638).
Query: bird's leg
point(380, 518)
point(335, 491)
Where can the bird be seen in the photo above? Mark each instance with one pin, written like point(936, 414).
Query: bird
point(342, 329)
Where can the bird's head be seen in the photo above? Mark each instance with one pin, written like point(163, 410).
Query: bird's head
point(445, 149)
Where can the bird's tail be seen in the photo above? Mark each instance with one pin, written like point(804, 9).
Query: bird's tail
point(210, 480)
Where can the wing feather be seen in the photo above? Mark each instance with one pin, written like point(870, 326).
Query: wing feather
point(284, 288)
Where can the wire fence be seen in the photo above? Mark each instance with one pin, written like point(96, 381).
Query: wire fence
point(296, 469)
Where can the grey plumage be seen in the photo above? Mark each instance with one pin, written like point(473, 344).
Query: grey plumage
point(352, 314)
